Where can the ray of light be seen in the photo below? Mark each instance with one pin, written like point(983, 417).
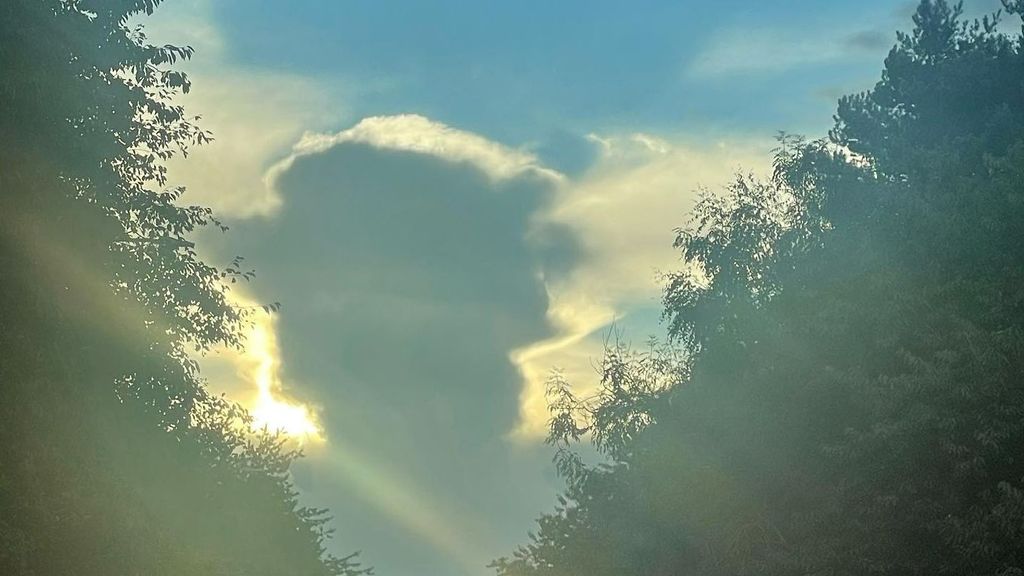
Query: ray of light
point(409, 507)
point(377, 484)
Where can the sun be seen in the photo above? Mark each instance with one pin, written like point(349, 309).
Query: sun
point(292, 420)
point(270, 410)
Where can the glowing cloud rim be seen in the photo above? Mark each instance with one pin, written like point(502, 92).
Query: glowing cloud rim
point(415, 133)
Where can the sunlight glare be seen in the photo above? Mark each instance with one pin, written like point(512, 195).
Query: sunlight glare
point(269, 410)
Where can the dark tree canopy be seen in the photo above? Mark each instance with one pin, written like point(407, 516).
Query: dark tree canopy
point(842, 392)
point(848, 393)
point(115, 459)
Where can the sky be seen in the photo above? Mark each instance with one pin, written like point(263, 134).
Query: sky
point(450, 199)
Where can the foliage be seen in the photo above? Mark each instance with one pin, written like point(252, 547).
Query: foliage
point(631, 383)
point(115, 459)
point(853, 330)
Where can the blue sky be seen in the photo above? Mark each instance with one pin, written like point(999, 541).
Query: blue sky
point(519, 70)
point(450, 199)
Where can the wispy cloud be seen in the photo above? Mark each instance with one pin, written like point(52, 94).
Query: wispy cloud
point(739, 51)
point(254, 115)
point(624, 211)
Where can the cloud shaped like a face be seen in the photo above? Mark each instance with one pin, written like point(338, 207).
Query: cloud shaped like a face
point(410, 259)
point(417, 257)
point(416, 263)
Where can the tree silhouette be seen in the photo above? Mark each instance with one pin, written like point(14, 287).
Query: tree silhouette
point(114, 457)
point(853, 337)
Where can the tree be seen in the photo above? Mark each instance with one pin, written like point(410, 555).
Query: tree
point(114, 457)
point(854, 336)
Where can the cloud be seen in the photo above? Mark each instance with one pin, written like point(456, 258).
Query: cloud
point(267, 112)
point(865, 38)
point(254, 115)
point(414, 133)
point(594, 245)
point(624, 210)
point(743, 51)
point(567, 152)
point(412, 259)
point(871, 40)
